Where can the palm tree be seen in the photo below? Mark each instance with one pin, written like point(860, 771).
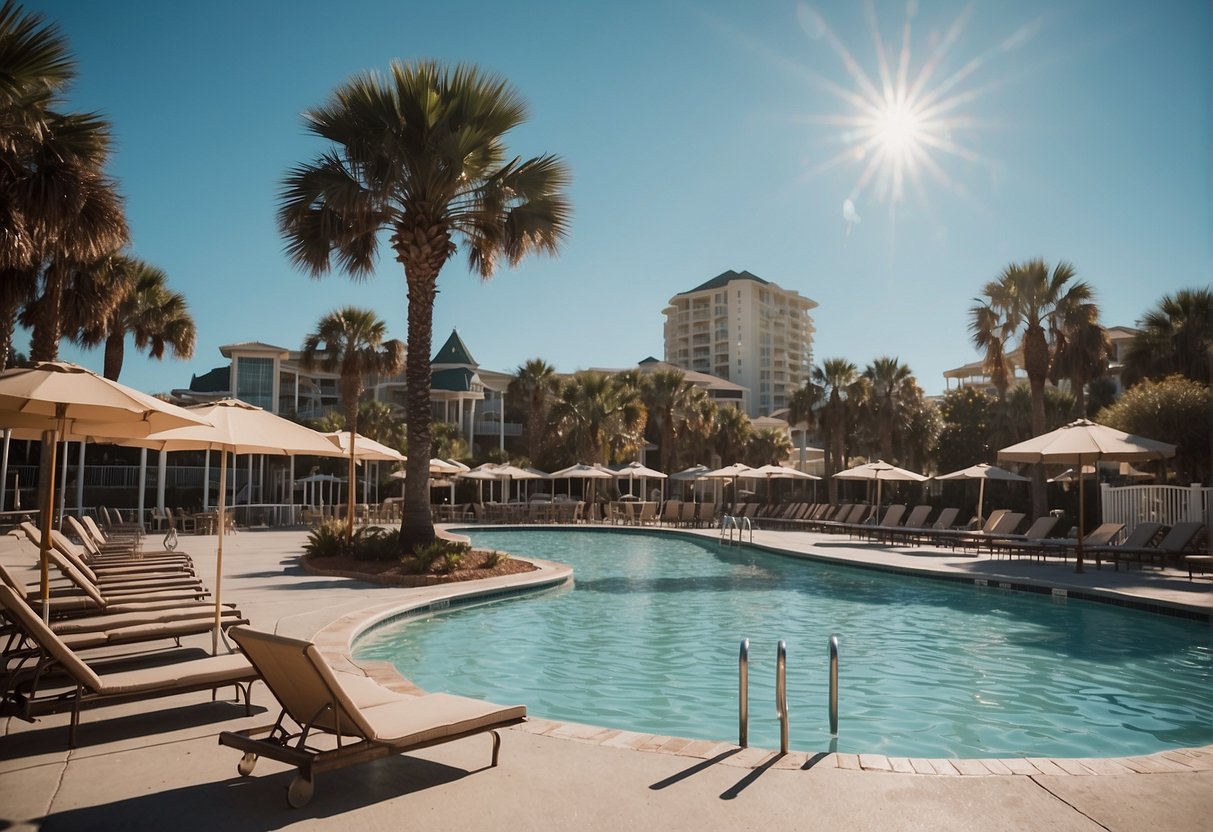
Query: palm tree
point(891, 382)
point(421, 155)
point(836, 377)
point(352, 342)
point(57, 207)
point(1082, 357)
point(670, 401)
point(533, 383)
point(767, 446)
point(156, 318)
point(802, 412)
point(598, 418)
point(733, 431)
point(1028, 306)
point(1176, 337)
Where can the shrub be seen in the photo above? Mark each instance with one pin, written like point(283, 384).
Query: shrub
point(449, 553)
point(495, 559)
point(376, 543)
point(448, 563)
point(326, 540)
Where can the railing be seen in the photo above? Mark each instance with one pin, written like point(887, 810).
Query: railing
point(781, 694)
point(834, 685)
point(729, 523)
point(743, 694)
point(1166, 504)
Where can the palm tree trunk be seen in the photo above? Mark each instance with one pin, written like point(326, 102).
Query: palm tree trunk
point(115, 349)
point(44, 345)
point(1036, 365)
point(8, 318)
point(417, 526)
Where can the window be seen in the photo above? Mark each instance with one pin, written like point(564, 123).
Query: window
point(255, 381)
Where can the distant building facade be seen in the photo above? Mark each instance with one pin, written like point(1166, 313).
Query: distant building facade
point(746, 330)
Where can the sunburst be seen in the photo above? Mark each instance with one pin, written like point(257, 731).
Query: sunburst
point(905, 123)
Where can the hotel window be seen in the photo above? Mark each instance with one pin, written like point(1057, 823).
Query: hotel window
point(255, 381)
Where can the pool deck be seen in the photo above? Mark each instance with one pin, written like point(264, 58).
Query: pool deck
point(157, 764)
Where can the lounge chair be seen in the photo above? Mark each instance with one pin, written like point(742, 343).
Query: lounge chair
point(1000, 522)
point(1014, 544)
point(87, 686)
point(1095, 541)
point(1174, 544)
point(319, 700)
point(891, 519)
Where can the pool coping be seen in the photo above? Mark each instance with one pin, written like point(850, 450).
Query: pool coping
point(336, 641)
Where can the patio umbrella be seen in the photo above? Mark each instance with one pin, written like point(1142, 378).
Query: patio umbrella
point(509, 473)
point(728, 472)
point(365, 449)
point(780, 472)
point(580, 471)
point(63, 400)
point(879, 471)
point(982, 471)
point(237, 428)
point(1082, 442)
point(638, 469)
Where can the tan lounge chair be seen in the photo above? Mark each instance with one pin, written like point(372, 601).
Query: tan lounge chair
point(87, 686)
point(321, 701)
point(1174, 544)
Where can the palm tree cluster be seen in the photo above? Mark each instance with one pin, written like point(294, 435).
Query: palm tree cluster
point(609, 418)
point(62, 223)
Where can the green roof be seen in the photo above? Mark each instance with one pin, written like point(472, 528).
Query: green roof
point(454, 351)
point(724, 279)
point(456, 379)
point(218, 380)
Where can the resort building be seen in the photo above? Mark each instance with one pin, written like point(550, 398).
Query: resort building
point(271, 377)
point(746, 330)
point(975, 375)
point(722, 392)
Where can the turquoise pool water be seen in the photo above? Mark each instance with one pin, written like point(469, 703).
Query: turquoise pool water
point(648, 639)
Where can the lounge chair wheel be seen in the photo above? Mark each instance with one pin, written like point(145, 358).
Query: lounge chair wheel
point(247, 763)
point(300, 792)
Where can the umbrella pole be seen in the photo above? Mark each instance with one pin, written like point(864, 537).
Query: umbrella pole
point(219, 551)
point(349, 497)
point(1081, 513)
point(981, 500)
point(50, 439)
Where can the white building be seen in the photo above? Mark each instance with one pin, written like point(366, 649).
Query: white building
point(747, 330)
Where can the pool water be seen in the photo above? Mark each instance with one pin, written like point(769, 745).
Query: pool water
point(648, 638)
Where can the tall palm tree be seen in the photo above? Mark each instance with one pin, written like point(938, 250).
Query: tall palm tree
point(533, 384)
point(1176, 337)
point(1030, 307)
point(1082, 357)
point(836, 377)
point(421, 155)
point(892, 382)
point(802, 412)
point(670, 401)
point(352, 342)
point(733, 431)
point(157, 318)
point(58, 209)
point(599, 418)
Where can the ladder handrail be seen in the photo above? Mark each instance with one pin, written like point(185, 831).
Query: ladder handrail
point(743, 694)
point(833, 651)
point(781, 694)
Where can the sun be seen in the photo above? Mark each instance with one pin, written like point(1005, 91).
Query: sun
point(896, 129)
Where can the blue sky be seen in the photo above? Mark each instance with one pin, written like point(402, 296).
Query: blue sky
point(699, 135)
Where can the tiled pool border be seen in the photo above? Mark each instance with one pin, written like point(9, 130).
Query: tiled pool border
point(336, 642)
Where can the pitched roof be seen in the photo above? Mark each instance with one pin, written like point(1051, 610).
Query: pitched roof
point(724, 279)
point(454, 351)
point(455, 379)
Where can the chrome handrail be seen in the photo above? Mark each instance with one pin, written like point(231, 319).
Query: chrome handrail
point(781, 695)
point(743, 694)
point(834, 685)
point(745, 524)
point(728, 522)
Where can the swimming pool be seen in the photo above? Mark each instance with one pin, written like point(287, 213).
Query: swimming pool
point(648, 639)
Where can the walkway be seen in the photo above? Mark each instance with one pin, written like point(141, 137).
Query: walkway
point(158, 765)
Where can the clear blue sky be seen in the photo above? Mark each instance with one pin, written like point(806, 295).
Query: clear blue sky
point(699, 135)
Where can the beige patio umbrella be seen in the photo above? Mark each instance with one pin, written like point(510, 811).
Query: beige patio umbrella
point(1082, 442)
point(367, 450)
point(880, 471)
point(580, 471)
point(780, 472)
point(982, 471)
point(237, 428)
point(636, 469)
point(65, 400)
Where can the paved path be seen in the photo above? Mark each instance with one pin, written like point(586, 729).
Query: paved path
point(157, 765)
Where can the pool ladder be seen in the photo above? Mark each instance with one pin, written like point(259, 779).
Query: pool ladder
point(781, 692)
point(729, 523)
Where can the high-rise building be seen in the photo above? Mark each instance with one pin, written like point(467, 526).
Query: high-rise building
point(745, 329)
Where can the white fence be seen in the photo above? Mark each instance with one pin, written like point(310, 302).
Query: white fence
point(1166, 504)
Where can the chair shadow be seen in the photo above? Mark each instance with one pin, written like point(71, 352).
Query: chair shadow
point(256, 803)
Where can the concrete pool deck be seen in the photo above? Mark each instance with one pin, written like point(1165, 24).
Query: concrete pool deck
point(157, 764)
